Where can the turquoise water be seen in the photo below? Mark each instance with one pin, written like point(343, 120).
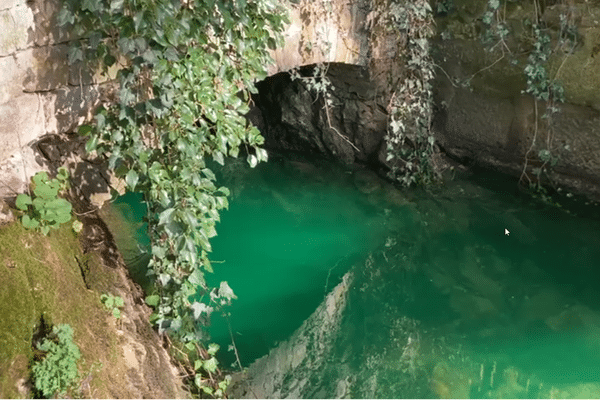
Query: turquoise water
point(487, 314)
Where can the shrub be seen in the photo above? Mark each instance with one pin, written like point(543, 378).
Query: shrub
point(44, 210)
point(58, 369)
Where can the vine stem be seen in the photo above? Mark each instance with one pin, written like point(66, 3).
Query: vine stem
point(237, 356)
point(335, 130)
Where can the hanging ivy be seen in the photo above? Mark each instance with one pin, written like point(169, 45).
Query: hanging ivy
point(410, 142)
point(186, 69)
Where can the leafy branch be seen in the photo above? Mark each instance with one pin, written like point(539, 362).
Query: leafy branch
point(185, 72)
point(410, 142)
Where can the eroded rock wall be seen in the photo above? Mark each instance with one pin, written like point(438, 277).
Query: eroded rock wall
point(483, 112)
point(40, 93)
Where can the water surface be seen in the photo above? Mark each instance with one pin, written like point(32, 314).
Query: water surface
point(444, 304)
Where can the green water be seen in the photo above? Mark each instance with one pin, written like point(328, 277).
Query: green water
point(494, 315)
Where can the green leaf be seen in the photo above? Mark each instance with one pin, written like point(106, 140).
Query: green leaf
point(131, 179)
point(77, 226)
point(62, 174)
point(23, 201)
point(117, 313)
point(30, 223)
point(218, 157)
point(119, 301)
point(190, 346)
point(166, 216)
point(252, 160)
point(91, 144)
point(153, 300)
point(213, 348)
point(210, 365)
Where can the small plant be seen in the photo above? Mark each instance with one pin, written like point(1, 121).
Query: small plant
point(77, 226)
point(44, 210)
point(113, 303)
point(58, 369)
point(209, 366)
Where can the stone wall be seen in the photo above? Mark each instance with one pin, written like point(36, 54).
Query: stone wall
point(40, 93)
point(483, 114)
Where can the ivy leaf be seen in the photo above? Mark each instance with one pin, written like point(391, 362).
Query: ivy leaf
point(252, 160)
point(199, 308)
point(166, 216)
point(131, 179)
point(213, 348)
point(210, 365)
point(218, 157)
point(153, 300)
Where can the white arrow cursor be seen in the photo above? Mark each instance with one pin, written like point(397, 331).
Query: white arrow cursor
point(506, 232)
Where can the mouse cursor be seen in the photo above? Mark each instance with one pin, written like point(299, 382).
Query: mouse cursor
point(506, 232)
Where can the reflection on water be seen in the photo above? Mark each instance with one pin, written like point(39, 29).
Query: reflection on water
point(443, 303)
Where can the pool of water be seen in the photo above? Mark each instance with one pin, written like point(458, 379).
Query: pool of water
point(471, 289)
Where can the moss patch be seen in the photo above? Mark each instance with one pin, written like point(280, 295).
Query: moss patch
point(41, 276)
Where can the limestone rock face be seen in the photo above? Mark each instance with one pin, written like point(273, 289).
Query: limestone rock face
point(483, 113)
point(293, 118)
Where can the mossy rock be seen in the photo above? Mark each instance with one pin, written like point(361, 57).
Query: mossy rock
point(41, 277)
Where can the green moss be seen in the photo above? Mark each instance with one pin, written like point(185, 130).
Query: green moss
point(41, 276)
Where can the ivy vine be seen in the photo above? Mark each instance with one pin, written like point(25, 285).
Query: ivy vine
point(186, 69)
point(410, 142)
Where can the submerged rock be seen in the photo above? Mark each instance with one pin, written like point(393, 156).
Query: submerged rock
point(367, 181)
point(286, 370)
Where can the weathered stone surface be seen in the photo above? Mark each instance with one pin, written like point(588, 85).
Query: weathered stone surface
point(16, 23)
point(68, 107)
point(21, 122)
point(6, 214)
point(292, 117)
point(493, 123)
point(46, 68)
point(10, 79)
point(46, 29)
point(316, 34)
point(80, 75)
point(280, 373)
point(16, 171)
point(6, 4)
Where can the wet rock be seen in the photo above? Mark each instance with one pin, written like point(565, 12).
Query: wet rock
point(472, 269)
point(588, 390)
point(449, 382)
point(395, 197)
point(472, 307)
point(286, 370)
point(367, 181)
point(545, 303)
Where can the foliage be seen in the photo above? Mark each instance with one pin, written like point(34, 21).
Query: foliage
point(186, 71)
point(495, 28)
point(58, 370)
point(444, 7)
point(410, 142)
point(209, 366)
point(45, 210)
point(113, 303)
point(545, 90)
point(542, 88)
point(77, 226)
